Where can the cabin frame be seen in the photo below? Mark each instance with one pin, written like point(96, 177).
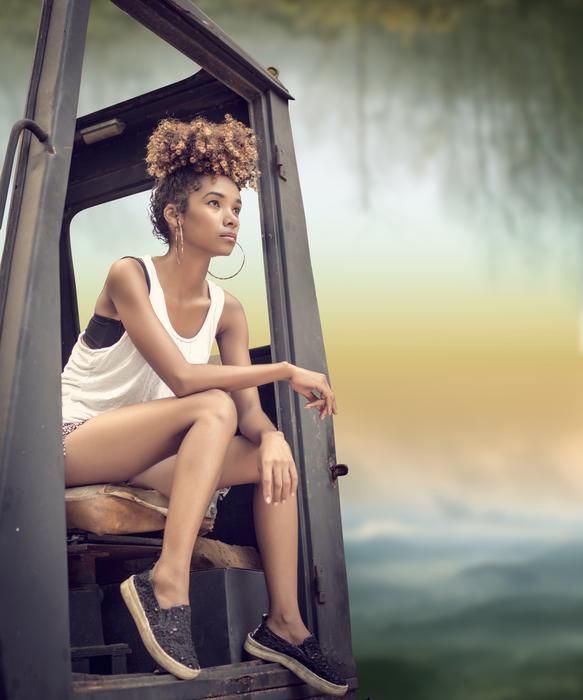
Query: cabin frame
point(54, 179)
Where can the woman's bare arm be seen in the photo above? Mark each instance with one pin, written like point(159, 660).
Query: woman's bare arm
point(231, 377)
point(233, 343)
point(128, 291)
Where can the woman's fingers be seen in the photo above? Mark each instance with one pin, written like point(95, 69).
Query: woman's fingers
point(285, 483)
point(328, 399)
point(294, 479)
point(267, 486)
point(313, 398)
point(313, 404)
point(327, 406)
point(273, 483)
point(277, 484)
point(280, 483)
point(327, 394)
point(319, 393)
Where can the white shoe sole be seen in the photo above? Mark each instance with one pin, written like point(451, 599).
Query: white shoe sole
point(132, 600)
point(263, 652)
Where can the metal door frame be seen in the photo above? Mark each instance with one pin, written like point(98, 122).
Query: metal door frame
point(34, 637)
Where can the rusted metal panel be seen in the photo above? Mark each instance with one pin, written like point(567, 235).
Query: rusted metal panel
point(34, 634)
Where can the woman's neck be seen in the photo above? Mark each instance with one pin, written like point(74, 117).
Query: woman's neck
point(185, 281)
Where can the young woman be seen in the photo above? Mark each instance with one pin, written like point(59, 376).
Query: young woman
point(142, 405)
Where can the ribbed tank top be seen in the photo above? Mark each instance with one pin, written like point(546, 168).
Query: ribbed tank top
point(101, 379)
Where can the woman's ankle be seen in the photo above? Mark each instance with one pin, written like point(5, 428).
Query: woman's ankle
point(290, 626)
point(170, 586)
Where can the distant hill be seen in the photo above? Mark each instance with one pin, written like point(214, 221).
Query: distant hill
point(532, 604)
point(558, 570)
point(501, 619)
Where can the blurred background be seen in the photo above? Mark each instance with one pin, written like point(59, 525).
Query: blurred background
point(439, 145)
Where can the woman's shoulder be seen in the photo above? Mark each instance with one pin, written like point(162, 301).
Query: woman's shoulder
point(233, 312)
point(128, 263)
point(126, 278)
point(232, 304)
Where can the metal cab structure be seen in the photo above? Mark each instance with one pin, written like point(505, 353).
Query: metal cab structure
point(58, 173)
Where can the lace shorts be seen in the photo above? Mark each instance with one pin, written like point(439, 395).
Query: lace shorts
point(68, 428)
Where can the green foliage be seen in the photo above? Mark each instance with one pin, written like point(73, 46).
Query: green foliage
point(486, 674)
point(387, 678)
point(107, 22)
point(327, 18)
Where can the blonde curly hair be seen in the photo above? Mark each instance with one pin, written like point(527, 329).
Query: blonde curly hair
point(179, 153)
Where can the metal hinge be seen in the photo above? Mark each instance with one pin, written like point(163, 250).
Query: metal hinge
point(319, 584)
point(279, 162)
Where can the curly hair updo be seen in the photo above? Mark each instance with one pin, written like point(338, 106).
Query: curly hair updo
point(179, 153)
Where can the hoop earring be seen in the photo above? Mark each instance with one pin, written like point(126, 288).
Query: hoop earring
point(238, 271)
point(181, 243)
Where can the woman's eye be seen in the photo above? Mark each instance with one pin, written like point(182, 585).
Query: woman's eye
point(213, 201)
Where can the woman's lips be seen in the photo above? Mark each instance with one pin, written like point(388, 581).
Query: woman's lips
point(229, 236)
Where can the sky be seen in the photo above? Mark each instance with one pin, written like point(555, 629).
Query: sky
point(446, 257)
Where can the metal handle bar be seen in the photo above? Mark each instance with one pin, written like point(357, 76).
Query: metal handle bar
point(20, 125)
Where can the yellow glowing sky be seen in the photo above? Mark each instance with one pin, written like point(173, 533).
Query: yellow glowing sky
point(453, 378)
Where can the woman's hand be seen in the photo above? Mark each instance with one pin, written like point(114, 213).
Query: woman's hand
point(306, 382)
point(278, 470)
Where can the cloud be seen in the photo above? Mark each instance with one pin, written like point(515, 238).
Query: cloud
point(469, 530)
point(506, 478)
point(371, 529)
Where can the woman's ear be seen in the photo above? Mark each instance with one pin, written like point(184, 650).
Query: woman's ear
point(171, 216)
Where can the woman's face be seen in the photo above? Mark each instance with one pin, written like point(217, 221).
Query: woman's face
point(211, 220)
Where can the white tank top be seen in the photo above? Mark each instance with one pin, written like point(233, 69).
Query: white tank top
point(101, 379)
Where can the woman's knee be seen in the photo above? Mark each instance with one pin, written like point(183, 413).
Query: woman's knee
point(218, 405)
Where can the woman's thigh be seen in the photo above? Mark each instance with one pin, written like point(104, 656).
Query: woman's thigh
point(240, 466)
point(119, 444)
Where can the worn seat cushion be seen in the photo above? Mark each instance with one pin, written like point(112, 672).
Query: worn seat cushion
point(114, 509)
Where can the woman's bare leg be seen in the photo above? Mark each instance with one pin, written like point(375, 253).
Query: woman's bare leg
point(198, 429)
point(276, 529)
point(196, 473)
point(240, 466)
point(119, 444)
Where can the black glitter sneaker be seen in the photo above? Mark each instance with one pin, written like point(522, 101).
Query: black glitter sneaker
point(306, 660)
point(166, 632)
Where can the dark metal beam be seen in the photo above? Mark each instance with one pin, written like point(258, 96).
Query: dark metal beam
point(34, 612)
point(194, 34)
point(296, 335)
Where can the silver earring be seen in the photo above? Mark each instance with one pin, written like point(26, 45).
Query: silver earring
point(238, 271)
